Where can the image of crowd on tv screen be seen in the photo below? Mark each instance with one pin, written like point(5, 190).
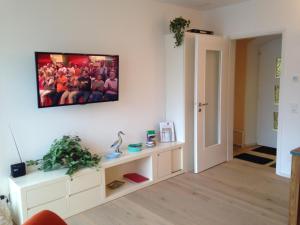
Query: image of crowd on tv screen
point(76, 79)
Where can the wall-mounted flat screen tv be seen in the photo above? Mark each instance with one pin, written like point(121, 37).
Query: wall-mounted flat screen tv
point(71, 78)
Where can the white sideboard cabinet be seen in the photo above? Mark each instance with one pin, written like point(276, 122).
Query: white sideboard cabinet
point(57, 192)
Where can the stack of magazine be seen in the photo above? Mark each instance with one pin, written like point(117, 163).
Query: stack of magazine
point(167, 132)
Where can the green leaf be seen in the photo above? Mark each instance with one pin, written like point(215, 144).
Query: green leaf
point(178, 27)
point(68, 153)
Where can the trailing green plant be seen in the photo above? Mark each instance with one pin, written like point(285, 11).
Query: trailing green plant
point(178, 27)
point(68, 153)
point(33, 162)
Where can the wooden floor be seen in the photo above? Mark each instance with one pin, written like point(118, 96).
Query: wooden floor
point(238, 150)
point(234, 193)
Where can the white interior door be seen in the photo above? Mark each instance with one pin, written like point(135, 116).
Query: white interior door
point(211, 69)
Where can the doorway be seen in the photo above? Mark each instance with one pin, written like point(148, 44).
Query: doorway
point(256, 99)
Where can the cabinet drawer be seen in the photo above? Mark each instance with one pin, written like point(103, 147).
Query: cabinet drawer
point(164, 164)
point(58, 206)
point(85, 200)
point(85, 181)
point(176, 160)
point(47, 193)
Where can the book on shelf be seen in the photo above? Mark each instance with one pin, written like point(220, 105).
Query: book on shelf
point(135, 177)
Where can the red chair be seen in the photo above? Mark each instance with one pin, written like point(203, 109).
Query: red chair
point(45, 217)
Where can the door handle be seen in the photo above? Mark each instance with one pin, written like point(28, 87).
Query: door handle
point(200, 105)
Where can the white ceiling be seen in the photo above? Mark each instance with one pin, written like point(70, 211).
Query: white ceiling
point(203, 4)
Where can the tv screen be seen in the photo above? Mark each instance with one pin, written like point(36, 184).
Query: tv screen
point(70, 78)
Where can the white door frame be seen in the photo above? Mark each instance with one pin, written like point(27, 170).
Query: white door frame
point(230, 92)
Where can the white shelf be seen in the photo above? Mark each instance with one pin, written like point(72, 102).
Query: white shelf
point(128, 156)
point(88, 188)
point(40, 177)
point(126, 188)
point(37, 177)
point(140, 165)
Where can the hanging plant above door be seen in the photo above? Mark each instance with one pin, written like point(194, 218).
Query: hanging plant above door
point(178, 27)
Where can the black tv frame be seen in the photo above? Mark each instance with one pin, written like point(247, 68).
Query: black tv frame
point(83, 54)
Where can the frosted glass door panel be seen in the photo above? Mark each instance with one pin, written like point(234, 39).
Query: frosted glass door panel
point(212, 97)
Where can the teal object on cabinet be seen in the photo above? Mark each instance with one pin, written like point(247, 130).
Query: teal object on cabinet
point(135, 147)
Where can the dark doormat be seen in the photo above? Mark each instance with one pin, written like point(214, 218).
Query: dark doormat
point(273, 165)
point(266, 150)
point(253, 158)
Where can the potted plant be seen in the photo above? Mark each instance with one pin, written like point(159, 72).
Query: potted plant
point(67, 153)
point(178, 27)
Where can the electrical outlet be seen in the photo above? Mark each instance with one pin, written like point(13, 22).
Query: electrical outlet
point(294, 108)
point(295, 78)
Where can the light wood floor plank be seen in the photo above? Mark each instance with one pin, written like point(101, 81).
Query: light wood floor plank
point(233, 193)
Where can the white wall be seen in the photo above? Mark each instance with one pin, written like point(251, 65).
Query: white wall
point(180, 65)
point(264, 17)
point(269, 52)
point(134, 29)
